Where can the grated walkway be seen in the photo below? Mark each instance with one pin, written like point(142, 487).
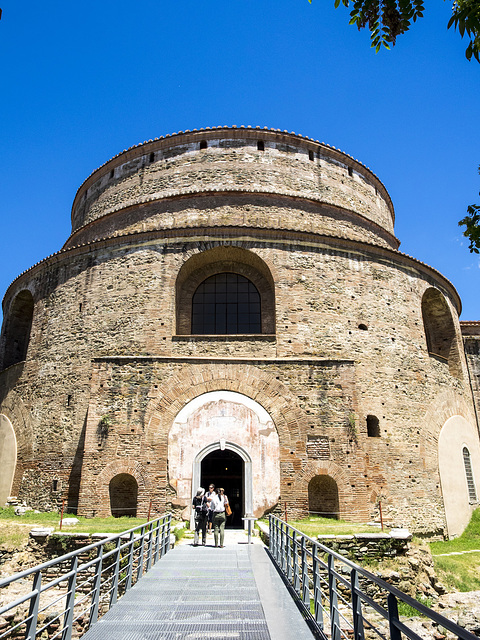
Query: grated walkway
point(197, 593)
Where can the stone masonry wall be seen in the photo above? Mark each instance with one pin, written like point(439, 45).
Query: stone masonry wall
point(120, 301)
point(345, 338)
point(232, 162)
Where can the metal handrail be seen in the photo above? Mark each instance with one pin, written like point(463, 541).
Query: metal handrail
point(97, 576)
point(340, 605)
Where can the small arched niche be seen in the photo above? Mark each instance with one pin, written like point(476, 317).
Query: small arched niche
point(440, 332)
point(225, 276)
point(18, 325)
point(373, 426)
point(323, 497)
point(123, 491)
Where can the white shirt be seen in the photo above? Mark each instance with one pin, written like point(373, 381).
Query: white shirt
point(218, 503)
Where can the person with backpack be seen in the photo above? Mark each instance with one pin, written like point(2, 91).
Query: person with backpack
point(200, 507)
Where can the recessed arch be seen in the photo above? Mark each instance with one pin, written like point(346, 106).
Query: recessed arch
point(18, 325)
point(226, 420)
point(458, 434)
point(123, 493)
point(440, 333)
point(323, 497)
point(224, 260)
point(8, 457)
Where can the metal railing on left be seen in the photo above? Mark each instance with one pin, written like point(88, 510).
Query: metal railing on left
point(72, 591)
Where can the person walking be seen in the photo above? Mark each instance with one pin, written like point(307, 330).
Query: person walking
point(219, 502)
point(209, 496)
point(200, 507)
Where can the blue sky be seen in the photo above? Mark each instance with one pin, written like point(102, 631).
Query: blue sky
point(81, 81)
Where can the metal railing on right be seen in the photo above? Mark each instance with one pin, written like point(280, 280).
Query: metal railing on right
point(72, 591)
point(339, 598)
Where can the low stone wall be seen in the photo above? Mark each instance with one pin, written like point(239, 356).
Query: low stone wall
point(361, 546)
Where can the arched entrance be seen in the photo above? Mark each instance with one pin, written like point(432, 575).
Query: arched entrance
point(226, 465)
point(226, 469)
point(223, 423)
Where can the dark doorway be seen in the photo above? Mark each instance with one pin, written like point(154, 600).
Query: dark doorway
point(226, 469)
point(123, 489)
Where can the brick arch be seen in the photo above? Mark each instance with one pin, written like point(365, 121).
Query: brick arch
point(102, 482)
point(223, 259)
point(320, 468)
point(195, 380)
point(445, 405)
point(323, 468)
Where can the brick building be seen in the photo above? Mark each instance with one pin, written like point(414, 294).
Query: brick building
point(231, 306)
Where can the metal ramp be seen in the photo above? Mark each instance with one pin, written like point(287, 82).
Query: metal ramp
point(202, 592)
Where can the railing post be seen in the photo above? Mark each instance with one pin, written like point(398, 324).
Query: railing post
point(165, 537)
point(392, 603)
point(150, 544)
point(296, 573)
point(283, 551)
point(31, 627)
point(131, 542)
point(358, 630)
point(116, 572)
point(305, 578)
point(288, 554)
point(270, 534)
point(332, 586)
point(317, 588)
point(140, 554)
point(157, 541)
point(70, 601)
point(276, 547)
point(97, 581)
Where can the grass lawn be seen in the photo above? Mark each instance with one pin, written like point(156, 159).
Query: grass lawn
point(14, 530)
point(316, 525)
point(460, 572)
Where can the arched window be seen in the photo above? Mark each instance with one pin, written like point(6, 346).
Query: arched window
point(18, 325)
point(440, 330)
point(123, 489)
point(472, 492)
point(323, 497)
point(226, 303)
point(225, 291)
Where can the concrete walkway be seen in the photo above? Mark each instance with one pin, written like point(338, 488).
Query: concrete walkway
point(197, 593)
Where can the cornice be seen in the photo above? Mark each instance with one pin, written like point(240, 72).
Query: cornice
point(174, 197)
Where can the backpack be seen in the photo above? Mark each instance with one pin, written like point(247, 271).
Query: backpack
point(200, 506)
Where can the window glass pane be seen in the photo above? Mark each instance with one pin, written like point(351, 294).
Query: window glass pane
point(226, 303)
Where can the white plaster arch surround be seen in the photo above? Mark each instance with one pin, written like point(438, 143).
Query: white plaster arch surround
point(8, 457)
point(226, 420)
point(456, 434)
